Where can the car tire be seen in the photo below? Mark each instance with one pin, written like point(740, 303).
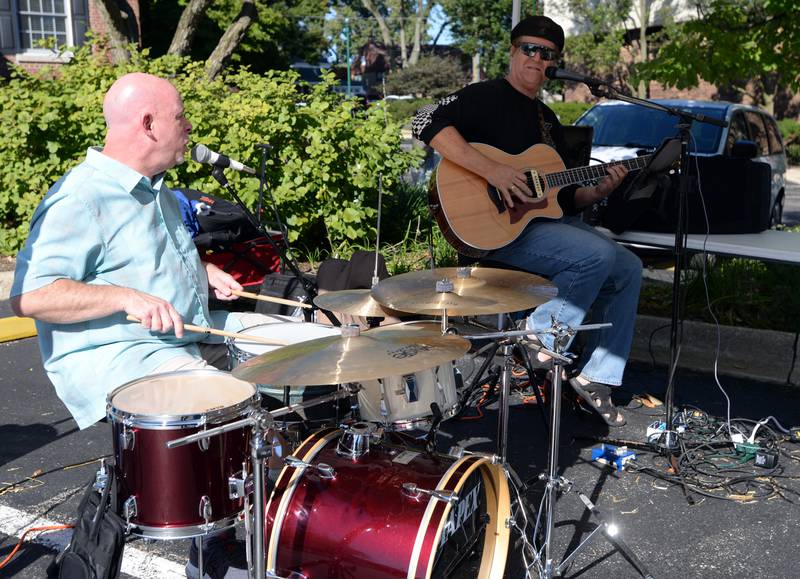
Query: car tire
point(776, 215)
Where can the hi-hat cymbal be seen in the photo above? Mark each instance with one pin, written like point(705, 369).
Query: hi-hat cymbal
point(388, 351)
point(358, 302)
point(467, 291)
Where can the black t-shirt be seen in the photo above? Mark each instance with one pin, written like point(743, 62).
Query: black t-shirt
point(494, 113)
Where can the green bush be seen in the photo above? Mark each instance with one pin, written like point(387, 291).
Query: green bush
point(432, 77)
point(790, 131)
point(568, 113)
point(403, 110)
point(323, 169)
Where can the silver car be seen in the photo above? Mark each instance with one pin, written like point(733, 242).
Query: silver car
point(621, 130)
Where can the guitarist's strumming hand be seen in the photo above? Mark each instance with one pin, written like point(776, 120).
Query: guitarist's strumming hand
point(510, 182)
point(585, 196)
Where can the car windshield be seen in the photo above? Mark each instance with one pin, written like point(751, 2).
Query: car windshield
point(640, 127)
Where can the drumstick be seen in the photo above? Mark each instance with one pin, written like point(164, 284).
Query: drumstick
point(271, 299)
point(245, 337)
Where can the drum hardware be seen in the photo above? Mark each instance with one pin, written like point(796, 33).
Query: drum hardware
point(555, 483)
point(260, 421)
point(129, 511)
point(324, 470)
point(412, 490)
point(355, 439)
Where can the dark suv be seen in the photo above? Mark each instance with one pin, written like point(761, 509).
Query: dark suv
point(622, 129)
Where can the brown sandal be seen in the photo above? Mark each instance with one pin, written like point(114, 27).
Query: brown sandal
point(598, 396)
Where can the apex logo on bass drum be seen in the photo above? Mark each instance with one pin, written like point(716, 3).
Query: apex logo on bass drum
point(461, 512)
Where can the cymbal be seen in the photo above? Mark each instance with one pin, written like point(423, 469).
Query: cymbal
point(467, 291)
point(387, 351)
point(358, 302)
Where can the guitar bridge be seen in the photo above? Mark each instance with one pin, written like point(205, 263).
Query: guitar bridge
point(496, 198)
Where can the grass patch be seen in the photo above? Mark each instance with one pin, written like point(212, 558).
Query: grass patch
point(742, 292)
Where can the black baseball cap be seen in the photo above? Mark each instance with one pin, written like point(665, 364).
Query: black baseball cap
point(540, 26)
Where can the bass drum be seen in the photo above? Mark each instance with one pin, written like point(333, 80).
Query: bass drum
point(370, 517)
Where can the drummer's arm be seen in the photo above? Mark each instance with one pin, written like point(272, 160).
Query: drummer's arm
point(221, 282)
point(66, 301)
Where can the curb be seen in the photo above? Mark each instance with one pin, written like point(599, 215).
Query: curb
point(744, 352)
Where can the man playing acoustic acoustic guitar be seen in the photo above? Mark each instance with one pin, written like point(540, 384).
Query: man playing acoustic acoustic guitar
point(590, 270)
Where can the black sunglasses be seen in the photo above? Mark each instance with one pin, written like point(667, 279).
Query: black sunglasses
point(529, 49)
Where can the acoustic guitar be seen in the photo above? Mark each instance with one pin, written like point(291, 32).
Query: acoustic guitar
point(472, 214)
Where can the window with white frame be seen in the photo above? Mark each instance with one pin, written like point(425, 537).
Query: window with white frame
point(42, 20)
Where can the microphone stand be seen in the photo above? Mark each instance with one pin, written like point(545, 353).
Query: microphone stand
point(668, 440)
point(308, 286)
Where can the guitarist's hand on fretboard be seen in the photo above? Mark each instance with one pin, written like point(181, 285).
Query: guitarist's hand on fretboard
point(585, 196)
point(510, 182)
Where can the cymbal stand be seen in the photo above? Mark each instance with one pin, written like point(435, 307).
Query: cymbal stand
point(554, 483)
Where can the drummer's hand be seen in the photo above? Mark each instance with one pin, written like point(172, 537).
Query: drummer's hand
point(153, 313)
point(221, 282)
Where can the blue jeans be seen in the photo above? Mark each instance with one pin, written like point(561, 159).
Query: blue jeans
point(591, 272)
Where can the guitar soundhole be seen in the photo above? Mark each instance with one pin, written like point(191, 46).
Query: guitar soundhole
point(496, 198)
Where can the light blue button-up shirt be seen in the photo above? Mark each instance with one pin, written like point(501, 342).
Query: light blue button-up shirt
point(105, 224)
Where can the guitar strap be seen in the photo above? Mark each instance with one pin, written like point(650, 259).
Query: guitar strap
point(544, 127)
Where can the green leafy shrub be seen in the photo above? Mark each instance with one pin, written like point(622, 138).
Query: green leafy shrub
point(323, 169)
point(403, 110)
point(790, 131)
point(568, 113)
point(432, 77)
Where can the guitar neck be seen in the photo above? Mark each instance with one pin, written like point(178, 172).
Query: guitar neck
point(592, 172)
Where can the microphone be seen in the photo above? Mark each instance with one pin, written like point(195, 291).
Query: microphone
point(203, 154)
point(554, 73)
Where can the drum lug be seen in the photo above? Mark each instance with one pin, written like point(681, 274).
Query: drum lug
point(127, 438)
point(324, 470)
point(206, 511)
point(129, 509)
point(412, 490)
point(204, 443)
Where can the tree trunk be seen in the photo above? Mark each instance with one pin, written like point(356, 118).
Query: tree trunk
point(417, 46)
point(187, 26)
point(385, 34)
point(403, 47)
point(231, 39)
point(117, 30)
point(476, 67)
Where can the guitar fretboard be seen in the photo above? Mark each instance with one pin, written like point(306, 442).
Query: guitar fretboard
point(592, 172)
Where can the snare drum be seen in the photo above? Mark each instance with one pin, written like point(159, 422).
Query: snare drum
point(404, 402)
point(180, 492)
point(373, 516)
point(240, 350)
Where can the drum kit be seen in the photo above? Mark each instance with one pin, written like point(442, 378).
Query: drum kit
point(360, 495)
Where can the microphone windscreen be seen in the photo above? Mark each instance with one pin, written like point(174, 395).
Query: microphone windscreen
point(551, 72)
point(201, 154)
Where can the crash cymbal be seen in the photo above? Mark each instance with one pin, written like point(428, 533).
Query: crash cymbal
point(467, 291)
point(358, 302)
point(388, 351)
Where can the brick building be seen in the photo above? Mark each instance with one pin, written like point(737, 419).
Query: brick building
point(25, 23)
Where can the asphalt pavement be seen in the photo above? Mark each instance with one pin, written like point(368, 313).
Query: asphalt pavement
point(51, 461)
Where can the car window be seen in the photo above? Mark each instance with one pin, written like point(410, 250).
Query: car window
point(774, 136)
point(758, 133)
point(632, 126)
point(737, 131)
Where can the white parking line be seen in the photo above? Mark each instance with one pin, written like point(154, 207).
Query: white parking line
point(135, 562)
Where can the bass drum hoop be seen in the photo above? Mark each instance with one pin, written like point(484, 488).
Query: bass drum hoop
point(498, 501)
